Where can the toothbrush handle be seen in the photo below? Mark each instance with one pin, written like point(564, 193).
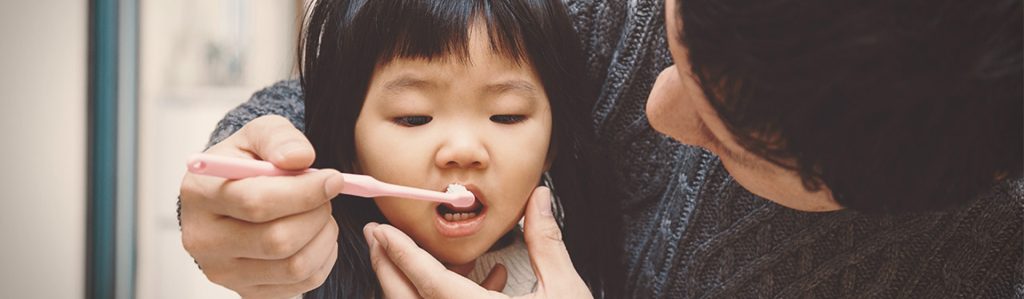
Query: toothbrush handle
point(361, 185)
point(385, 189)
point(355, 184)
point(235, 168)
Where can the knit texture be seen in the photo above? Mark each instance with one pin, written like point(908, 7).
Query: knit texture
point(691, 231)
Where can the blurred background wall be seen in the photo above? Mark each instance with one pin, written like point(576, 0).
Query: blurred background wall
point(196, 59)
point(43, 115)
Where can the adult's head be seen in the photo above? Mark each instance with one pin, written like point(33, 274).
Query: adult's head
point(876, 106)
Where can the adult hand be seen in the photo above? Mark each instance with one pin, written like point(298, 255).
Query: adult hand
point(263, 237)
point(407, 271)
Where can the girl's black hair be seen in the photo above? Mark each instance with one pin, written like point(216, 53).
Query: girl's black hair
point(343, 42)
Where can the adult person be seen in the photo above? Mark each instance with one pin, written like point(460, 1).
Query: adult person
point(845, 149)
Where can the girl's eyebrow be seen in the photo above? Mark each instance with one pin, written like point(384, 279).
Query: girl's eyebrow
point(514, 85)
point(408, 82)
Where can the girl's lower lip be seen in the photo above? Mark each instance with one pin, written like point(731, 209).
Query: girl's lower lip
point(455, 229)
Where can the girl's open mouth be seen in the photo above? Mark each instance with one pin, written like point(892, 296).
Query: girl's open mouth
point(454, 214)
point(454, 222)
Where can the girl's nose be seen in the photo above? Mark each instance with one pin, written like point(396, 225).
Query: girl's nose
point(462, 150)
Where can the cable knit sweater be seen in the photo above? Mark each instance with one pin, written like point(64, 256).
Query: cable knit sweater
point(693, 231)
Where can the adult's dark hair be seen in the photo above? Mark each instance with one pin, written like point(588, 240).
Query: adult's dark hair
point(895, 105)
point(345, 40)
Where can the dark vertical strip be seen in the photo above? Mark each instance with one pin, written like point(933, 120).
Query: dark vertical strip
point(102, 148)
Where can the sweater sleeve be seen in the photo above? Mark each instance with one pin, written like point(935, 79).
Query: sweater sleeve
point(284, 98)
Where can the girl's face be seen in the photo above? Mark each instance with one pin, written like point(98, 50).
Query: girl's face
point(485, 124)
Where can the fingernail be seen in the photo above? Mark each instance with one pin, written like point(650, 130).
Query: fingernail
point(333, 185)
point(368, 234)
point(545, 203)
point(378, 236)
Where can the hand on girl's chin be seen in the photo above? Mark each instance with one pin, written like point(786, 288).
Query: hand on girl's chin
point(402, 266)
point(387, 270)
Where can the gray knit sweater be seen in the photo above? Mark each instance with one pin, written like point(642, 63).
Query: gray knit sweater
point(692, 231)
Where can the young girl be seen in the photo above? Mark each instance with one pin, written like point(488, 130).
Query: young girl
point(487, 94)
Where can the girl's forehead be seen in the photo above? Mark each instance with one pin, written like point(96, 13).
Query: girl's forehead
point(481, 57)
point(478, 40)
point(485, 75)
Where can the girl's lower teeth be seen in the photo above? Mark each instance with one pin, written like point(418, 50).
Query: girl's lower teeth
point(459, 216)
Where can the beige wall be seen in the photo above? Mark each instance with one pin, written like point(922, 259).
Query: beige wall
point(183, 93)
point(43, 94)
point(43, 126)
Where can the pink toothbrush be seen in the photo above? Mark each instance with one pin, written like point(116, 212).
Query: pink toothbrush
point(355, 184)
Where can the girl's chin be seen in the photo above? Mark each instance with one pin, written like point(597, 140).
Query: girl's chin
point(462, 269)
point(456, 254)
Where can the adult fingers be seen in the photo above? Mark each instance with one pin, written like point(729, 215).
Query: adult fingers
point(262, 199)
point(292, 269)
point(273, 138)
point(396, 285)
point(548, 255)
point(392, 281)
point(496, 279)
point(429, 276)
point(295, 289)
point(279, 239)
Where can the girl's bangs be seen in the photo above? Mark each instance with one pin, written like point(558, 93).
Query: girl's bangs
point(440, 29)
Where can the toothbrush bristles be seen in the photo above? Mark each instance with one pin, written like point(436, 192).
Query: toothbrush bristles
point(456, 188)
point(465, 198)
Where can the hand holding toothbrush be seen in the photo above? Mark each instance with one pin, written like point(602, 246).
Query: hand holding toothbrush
point(268, 236)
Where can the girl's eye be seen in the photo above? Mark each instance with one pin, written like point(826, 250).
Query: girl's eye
point(413, 121)
point(508, 119)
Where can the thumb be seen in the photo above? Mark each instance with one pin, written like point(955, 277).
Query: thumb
point(273, 138)
point(548, 255)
